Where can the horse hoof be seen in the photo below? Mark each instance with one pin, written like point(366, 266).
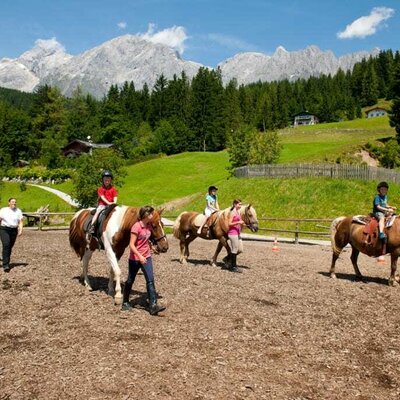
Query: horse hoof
point(213, 264)
point(333, 275)
point(117, 301)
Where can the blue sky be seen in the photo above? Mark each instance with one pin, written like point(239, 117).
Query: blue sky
point(205, 31)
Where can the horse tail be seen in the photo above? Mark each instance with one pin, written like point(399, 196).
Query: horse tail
point(75, 236)
point(334, 227)
point(177, 226)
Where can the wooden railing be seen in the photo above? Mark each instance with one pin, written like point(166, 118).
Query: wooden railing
point(289, 227)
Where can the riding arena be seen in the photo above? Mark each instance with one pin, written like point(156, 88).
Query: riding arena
point(282, 329)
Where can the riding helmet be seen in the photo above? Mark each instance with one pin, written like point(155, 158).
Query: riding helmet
point(212, 188)
point(107, 174)
point(383, 184)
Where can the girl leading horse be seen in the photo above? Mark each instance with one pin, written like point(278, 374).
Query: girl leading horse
point(187, 224)
point(115, 235)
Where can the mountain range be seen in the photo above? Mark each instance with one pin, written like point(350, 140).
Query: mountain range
point(133, 58)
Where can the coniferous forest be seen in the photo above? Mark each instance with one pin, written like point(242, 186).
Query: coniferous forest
point(181, 115)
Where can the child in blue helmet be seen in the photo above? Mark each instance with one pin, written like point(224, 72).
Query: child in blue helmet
point(381, 208)
point(211, 205)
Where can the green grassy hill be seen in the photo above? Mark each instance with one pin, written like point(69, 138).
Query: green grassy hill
point(331, 141)
point(181, 181)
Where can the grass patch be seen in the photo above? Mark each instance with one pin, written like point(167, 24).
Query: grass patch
point(32, 198)
point(330, 141)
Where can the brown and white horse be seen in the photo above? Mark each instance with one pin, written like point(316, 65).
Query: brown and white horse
point(344, 231)
point(186, 226)
point(115, 236)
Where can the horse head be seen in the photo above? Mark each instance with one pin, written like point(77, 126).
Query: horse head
point(249, 216)
point(159, 238)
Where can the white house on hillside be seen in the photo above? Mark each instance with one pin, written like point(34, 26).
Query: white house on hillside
point(375, 112)
point(305, 118)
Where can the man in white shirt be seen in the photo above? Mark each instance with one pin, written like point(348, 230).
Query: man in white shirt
point(10, 228)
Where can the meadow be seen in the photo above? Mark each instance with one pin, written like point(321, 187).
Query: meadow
point(180, 181)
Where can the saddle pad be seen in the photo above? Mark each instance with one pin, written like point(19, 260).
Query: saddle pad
point(361, 219)
point(199, 220)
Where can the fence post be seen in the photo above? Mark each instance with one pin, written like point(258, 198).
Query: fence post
point(296, 233)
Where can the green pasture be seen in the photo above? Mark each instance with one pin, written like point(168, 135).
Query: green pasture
point(181, 181)
point(330, 141)
point(31, 198)
point(164, 179)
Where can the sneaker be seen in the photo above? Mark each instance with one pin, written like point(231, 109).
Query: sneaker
point(126, 306)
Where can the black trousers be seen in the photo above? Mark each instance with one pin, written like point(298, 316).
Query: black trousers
point(8, 237)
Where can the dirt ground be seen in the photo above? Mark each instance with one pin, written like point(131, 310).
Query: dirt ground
point(280, 330)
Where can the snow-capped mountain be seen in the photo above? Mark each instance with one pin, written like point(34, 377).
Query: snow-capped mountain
point(251, 67)
point(133, 58)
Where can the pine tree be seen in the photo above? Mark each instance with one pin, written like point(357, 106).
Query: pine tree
point(394, 113)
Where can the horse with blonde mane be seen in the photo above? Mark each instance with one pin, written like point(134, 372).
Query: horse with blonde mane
point(186, 226)
point(345, 230)
point(115, 236)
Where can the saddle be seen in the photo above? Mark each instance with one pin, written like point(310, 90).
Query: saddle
point(371, 226)
point(99, 224)
point(209, 223)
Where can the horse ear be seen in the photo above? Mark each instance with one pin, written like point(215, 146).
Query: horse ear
point(249, 206)
point(160, 210)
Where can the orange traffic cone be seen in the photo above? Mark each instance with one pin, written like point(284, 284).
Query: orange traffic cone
point(381, 260)
point(275, 246)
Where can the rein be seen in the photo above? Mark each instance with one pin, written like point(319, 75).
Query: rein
point(156, 240)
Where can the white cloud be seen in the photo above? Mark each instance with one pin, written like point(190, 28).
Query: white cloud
point(230, 42)
point(366, 25)
point(173, 37)
point(122, 25)
point(49, 44)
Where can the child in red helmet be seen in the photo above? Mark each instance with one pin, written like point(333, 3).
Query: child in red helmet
point(107, 195)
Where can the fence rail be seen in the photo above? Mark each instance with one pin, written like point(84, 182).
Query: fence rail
point(281, 225)
point(338, 171)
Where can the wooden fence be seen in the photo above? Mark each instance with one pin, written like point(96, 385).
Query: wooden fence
point(289, 227)
point(342, 171)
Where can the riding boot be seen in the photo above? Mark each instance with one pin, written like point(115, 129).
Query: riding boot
point(234, 267)
point(126, 306)
point(154, 308)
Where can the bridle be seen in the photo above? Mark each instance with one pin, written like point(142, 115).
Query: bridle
point(155, 240)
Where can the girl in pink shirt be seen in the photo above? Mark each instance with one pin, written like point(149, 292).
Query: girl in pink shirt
point(234, 228)
point(140, 258)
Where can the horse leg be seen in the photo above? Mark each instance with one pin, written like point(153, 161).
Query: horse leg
point(115, 274)
point(393, 265)
point(185, 246)
point(183, 257)
point(223, 242)
point(353, 258)
point(85, 267)
point(215, 256)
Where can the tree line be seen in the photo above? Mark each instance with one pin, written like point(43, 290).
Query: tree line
point(176, 115)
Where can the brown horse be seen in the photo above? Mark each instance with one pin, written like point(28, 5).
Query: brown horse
point(188, 222)
point(344, 231)
point(115, 236)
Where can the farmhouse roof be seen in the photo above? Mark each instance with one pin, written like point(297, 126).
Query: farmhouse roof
point(78, 146)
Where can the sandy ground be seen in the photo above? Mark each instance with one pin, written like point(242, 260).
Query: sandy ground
point(280, 330)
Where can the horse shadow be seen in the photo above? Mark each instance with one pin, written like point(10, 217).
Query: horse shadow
point(18, 264)
point(100, 284)
point(202, 262)
point(355, 278)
